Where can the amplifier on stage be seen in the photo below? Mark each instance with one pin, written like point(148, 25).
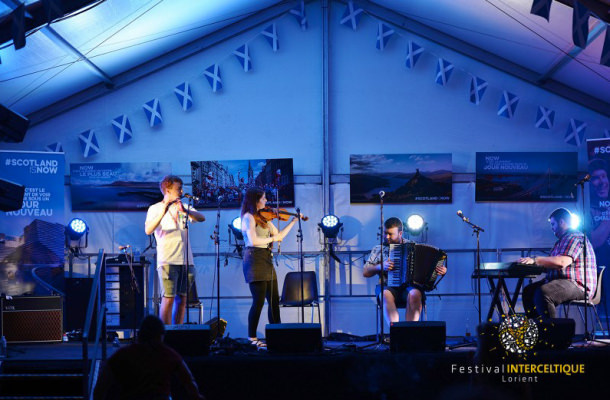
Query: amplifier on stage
point(26, 319)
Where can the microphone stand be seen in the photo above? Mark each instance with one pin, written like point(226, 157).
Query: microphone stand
point(135, 290)
point(301, 264)
point(381, 272)
point(186, 249)
point(216, 237)
point(476, 230)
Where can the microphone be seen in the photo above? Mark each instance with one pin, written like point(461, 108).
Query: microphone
point(584, 179)
point(127, 246)
point(381, 194)
point(190, 196)
point(461, 215)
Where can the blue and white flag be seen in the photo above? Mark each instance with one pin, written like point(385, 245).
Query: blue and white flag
point(605, 57)
point(541, 8)
point(351, 16)
point(545, 118)
point(55, 148)
point(153, 112)
point(243, 56)
point(477, 89)
point(299, 13)
point(122, 128)
point(580, 25)
point(88, 142)
point(508, 105)
point(413, 52)
point(443, 71)
point(576, 132)
point(212, 73)
point(270, 33)
point(384, 33)
point(184, 96)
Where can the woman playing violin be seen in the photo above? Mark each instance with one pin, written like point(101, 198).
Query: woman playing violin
point(259, 233)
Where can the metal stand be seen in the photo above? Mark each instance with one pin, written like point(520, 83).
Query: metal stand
point(186, 258)
point(301, 264)
point(381, 271)
point(216, 238)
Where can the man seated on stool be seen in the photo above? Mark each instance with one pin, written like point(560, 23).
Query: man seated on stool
point(413, 297)
point(565, 278)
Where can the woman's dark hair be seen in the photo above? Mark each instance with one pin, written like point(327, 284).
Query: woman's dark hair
point(248, 205)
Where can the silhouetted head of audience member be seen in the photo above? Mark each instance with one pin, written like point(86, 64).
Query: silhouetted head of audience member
point(151, 330)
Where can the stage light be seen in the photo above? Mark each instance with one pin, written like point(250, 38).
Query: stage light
point(76, 229)
point(574, 221)
point(330, 226)
point(235, 227)
point(415, 224)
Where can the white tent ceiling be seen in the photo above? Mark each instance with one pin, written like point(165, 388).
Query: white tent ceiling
point(103, 46)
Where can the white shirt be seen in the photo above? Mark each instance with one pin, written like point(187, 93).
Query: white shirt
point(170, 234)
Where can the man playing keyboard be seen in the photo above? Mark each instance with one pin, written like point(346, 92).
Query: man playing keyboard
point(565, 278)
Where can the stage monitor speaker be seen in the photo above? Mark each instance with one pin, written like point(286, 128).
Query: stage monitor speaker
point(294, 338)
point(424, 336)
point(217, 330)
point(11, 195)
point(28, 319)
point(188, 339)
point(13, 126)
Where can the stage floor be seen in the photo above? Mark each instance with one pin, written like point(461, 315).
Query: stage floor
point(365, 370)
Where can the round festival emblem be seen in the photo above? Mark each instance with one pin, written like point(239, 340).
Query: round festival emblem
point(518, 334)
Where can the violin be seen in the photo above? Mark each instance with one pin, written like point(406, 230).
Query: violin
point(279, 213)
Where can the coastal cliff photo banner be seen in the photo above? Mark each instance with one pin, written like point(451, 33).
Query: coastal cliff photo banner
point(116, 186)
point(404, 178)
point(526, 177)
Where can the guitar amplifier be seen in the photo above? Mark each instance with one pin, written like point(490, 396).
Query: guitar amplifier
point(26, 319)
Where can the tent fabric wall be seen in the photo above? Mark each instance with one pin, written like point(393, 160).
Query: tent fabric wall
point(376, 106)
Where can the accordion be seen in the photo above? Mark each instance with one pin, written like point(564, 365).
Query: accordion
point(414, 264)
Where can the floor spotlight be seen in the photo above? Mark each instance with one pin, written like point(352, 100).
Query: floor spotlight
point(75, 230)
point(415, 224)
point(235, 227)
point(330, 226)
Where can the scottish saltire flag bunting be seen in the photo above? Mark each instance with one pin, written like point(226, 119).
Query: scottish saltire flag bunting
point(351, 16)
point(545, 118)
point(605, 58)
point(122, 128)
point(541, 8)
point(443, 71)
point(580, 25)
point(212, 73)
point(88, 142)
point(477, 89)
point(508, 105)
point(270, 33)
point(299, 13)
point(55, 147)
point(18, 27)
point(153, 112)
point(413, 52)
point(576, 132)
point(184, 96)
point(384, 33)
point(243, 56)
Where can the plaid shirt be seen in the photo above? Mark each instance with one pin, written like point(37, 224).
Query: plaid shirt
point(571, 245)
point(375, 256)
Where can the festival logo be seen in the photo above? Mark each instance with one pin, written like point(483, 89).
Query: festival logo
point(518, 334)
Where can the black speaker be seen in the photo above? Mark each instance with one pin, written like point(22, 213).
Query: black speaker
point(424, 336)
point(555, 334)
point(13, 126)
point(25, 319)
point(125, 308)
point(11, 195)
point(294, 338)
point(188, 339)
point(76, 302)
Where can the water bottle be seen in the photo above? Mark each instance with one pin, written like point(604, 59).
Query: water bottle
point(3, 351)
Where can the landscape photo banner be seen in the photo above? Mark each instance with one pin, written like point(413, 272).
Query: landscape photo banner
point(526, 176)
point(116, 186)
point(32, 245)
point(403, 178)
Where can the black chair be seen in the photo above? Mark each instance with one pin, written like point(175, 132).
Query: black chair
point(593, 303)
point(291, 292)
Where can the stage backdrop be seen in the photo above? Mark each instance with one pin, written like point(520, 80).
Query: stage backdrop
point(225, 182)
point(526, 176)
point(116, 186)
point(32, 238)
point(405, 178)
